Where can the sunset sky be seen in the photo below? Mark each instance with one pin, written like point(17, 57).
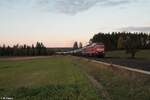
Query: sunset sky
point(58, 23)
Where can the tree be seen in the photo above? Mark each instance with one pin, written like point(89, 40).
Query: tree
point(15, 50)
point(111, 40)
point(120, 44)
point(25, 50)
point(33, 50)
point(131, 46)
point(0, 50)
point(41, 49)
point(3, 50)
point(75, 45)
point(80, 45)
point(38, 48)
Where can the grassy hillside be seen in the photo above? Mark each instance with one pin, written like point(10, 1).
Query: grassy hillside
point(122, 54)
point(54, 78)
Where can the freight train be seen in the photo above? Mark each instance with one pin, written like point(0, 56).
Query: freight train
point(93, 49)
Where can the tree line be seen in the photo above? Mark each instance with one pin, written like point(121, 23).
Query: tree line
point(77, 45)
point(25, 50)
point(131, 42)
point(117, 40)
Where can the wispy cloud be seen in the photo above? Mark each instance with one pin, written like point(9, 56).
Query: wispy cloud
point(71, 7)
point(16, 4)
point(135, 29)
point(117, 2)
point(67, 6)
point(75, 6)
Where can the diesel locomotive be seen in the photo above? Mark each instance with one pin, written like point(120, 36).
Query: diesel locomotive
point(93, 49)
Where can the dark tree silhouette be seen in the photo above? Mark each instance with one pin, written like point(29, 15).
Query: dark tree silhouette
point(120, 44)
point(131, 46)
point(25, 50)
point(75, 45)
point(111, 39)
point(80, 45)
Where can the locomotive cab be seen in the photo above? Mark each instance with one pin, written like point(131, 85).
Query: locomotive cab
point(95, 49)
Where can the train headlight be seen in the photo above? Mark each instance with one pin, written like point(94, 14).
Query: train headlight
point(98, 49)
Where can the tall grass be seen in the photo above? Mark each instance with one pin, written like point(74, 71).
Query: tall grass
point(54, 78)
point(119, 83)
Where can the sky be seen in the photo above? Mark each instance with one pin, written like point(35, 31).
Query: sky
point(58, 23)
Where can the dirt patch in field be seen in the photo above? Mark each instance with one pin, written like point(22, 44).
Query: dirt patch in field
point(98, 86)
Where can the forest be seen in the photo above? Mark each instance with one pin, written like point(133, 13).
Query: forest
point(112, 41)
point(25, 50)
point(122, 40)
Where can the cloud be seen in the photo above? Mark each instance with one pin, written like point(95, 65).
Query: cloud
point(117, 2)
point(16, 4)
point(71, 7)
point(75, 6)
point(67, 6)
point(135, 29)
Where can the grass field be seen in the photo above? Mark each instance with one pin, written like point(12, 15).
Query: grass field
point(119, 57)
point(67, 78)
point(120, 84)
point(54, 78)
point(143, 54)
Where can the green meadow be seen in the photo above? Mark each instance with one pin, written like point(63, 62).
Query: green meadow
point(69, 78)
point(53, 78)
point(141, 54)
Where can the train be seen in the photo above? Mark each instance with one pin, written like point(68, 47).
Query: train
point(91, 50)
